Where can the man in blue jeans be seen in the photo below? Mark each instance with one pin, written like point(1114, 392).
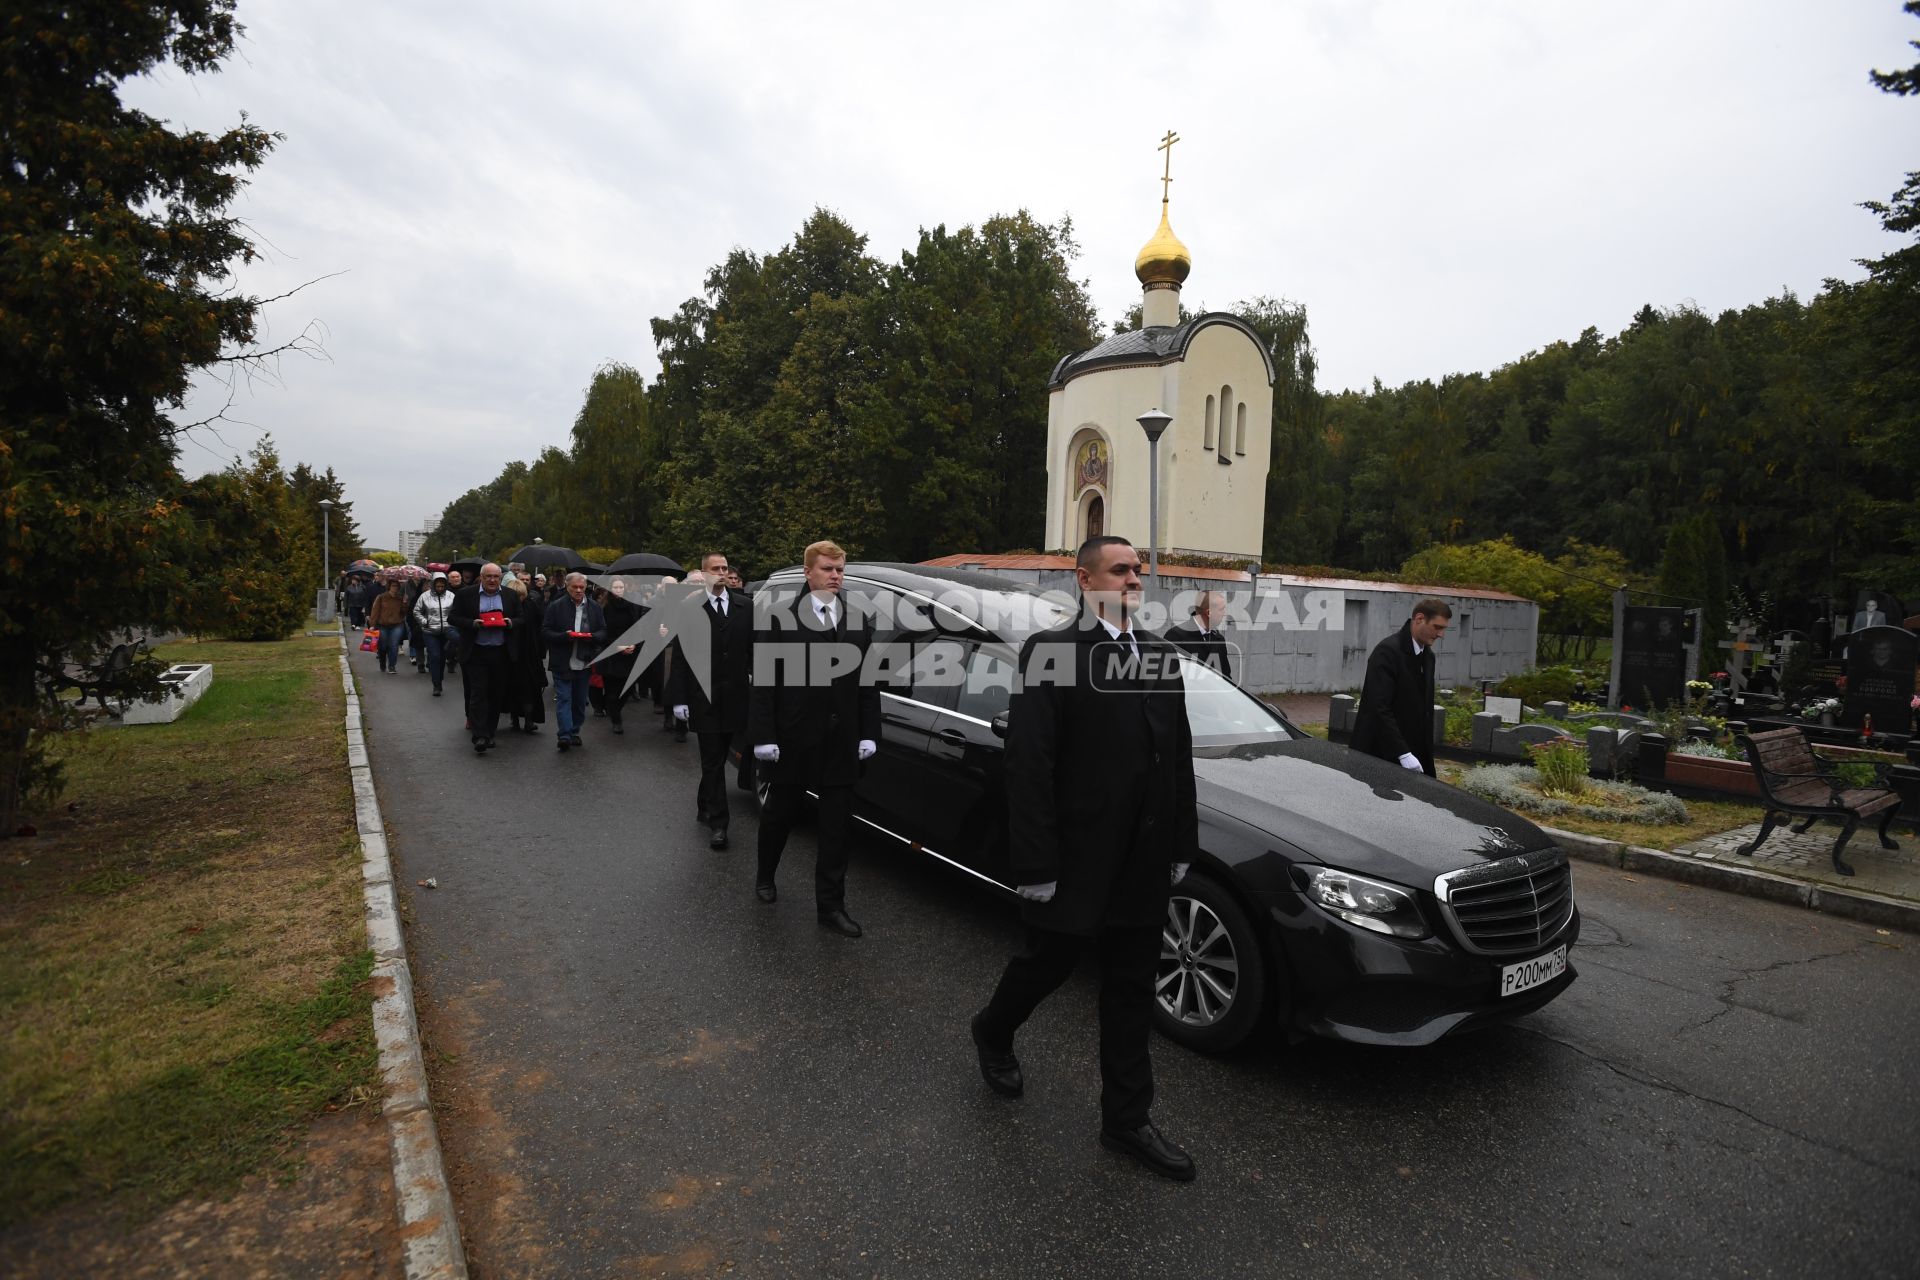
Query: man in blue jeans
point(575, 631)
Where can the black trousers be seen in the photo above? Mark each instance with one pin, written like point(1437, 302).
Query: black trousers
point(836, 822)
point(713, 778)
point(1127, 960)
point(485, 677)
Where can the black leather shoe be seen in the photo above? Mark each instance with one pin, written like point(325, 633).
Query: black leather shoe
point(619, 728)
point(840, 922)
point(1146, 1145)
point(560, 743)
point(1001, 1070)
point(479, 747)
point(766, 892)
point(718, 840)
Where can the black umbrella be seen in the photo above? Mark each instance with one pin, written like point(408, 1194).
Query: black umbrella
point(583, 565)
point(544, 555)
point(644, 562)
point(468, 569)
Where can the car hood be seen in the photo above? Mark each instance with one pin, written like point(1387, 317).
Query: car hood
point(1351, 810)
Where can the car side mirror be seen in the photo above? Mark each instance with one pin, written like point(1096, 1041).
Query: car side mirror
point(999, 724)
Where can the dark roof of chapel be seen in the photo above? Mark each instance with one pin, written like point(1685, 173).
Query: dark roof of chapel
point(1158, 345)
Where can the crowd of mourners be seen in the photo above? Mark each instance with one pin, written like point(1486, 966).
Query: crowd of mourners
point(546, 635)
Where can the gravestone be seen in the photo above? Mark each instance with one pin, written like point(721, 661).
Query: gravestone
point(1880, 665)
point(1653, 669)
point(1508, 709)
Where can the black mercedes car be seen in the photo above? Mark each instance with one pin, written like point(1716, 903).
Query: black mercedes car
point(1336, 894)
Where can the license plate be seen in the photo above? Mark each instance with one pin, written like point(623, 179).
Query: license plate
point(1515, 978)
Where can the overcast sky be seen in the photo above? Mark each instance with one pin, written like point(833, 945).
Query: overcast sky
point(502, 197)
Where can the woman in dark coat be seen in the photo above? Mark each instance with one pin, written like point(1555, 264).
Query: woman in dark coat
point(526, 661)
point(614, 672)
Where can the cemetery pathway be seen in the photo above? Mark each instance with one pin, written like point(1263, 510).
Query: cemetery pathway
point(639, 1069)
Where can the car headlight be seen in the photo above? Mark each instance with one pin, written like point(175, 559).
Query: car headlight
point(1371, 904)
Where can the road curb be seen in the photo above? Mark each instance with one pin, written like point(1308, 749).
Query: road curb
point(1853, 904)
point(428, 1228)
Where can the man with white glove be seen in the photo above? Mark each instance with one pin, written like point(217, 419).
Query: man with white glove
point(709, 681)
point(814, 721)
point(1102, 821)
point(1395, 720)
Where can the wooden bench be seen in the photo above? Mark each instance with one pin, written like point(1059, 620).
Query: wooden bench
point(1795, 781)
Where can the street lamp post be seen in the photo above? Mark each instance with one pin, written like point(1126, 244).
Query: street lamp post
point(326, 542)
point(1155, 424)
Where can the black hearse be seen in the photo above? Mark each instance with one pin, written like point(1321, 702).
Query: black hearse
point(1337, 894)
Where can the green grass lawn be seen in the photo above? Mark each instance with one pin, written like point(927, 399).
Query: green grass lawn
point(183, 959)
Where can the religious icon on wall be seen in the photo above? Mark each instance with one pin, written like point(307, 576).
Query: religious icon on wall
point(1096, 518)
point(1089, 466)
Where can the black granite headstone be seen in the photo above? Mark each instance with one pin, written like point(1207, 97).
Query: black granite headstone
point(1653, 668)
point(1880, 665)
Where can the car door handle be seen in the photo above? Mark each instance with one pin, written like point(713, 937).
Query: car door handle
point(952, 735)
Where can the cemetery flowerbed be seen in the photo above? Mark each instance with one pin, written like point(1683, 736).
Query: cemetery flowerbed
point(1703, 817)
point(183, 960)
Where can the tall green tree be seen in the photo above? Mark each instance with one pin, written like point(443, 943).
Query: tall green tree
point(256, 561)
point(116, 246)
point(616, 453)
point(341, 533)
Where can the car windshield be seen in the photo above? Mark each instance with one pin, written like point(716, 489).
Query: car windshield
point(1220, 713)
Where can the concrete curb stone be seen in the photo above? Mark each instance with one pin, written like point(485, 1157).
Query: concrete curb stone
point(428, 1226)
point(1853, 904)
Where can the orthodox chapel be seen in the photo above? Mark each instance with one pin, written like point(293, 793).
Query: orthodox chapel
point(1216, 379)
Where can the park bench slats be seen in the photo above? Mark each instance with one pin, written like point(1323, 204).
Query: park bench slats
point(1794, 781)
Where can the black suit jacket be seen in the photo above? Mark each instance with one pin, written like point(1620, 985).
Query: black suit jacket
point(1213, 651)
point(817, 723)
point(721, 707)
point(1396, 703)
point(465, 616)
point(1100, 789)
point(557, 620)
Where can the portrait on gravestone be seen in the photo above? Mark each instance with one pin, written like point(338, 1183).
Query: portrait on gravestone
point(1880, 671)
point(1652, 657)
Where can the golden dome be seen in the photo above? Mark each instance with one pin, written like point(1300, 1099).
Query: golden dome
point(1163, 261)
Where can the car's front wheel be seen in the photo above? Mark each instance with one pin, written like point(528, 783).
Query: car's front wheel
point(1211, 984)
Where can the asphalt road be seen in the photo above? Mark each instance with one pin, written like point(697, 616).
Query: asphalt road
point(640, 1069)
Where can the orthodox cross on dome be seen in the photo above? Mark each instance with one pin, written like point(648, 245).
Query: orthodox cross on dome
point(1166, 174)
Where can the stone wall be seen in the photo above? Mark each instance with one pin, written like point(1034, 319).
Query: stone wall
point(1313, 635)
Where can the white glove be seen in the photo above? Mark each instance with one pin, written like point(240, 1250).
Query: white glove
point(680, 711)
point(1409, 761)
point(867, 747)
point(1039, 892)
point(770, 752)
point(1180, 871)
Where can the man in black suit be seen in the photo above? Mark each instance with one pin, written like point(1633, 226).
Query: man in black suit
point(1103, 821)
point(712, 701)
point(1396, 702)
point(1203, 638)
point(483, 614)
point(814, 721)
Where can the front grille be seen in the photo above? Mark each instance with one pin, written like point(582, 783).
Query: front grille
point(1509, 907)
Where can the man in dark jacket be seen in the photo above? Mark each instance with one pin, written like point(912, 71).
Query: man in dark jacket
point(1203, 638)
point(575, 631)
point(1103, 821)
point(712, 700)
point(483, 616)
point(814, 722)
point(1396, 703)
